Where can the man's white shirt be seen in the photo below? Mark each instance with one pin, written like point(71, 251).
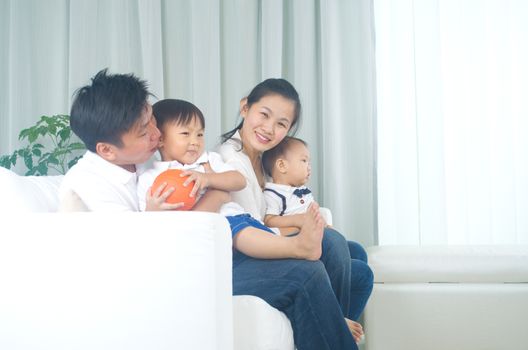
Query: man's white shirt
point(101, 185)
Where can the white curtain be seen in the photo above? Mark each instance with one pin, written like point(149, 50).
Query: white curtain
point(452, 82)
point(212, 53)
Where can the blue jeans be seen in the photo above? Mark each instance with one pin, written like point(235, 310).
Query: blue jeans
point(314, 295)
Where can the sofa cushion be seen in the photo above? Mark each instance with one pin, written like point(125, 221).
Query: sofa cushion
point(259, 326)
point(445, 264)
point(28, 193)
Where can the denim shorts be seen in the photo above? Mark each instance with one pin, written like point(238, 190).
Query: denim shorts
point(240, 222)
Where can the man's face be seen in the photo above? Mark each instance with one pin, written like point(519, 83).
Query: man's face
point(140, 142)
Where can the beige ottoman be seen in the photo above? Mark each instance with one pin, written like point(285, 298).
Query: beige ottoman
point(448, 297)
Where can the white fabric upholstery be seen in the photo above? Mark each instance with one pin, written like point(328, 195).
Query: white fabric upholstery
point(110, 281)
point(116, 281)
point(42, 243)
point(28, 193)
point(257, 325)
point(448, 297)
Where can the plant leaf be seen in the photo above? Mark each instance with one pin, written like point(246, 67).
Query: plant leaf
point(52, 159)
point(37, 152)
point(73, 161)
point(32, 135)
point(5, 161)
point(64, 134)
point(42, 169)
point(77, 146)
point(28, 161)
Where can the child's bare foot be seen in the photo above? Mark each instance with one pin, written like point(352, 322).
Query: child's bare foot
point(356, 329)
point(309, 239)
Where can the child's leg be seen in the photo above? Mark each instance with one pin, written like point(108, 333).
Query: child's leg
point(260, 244)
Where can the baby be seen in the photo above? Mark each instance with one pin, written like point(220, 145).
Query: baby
point(287, 197)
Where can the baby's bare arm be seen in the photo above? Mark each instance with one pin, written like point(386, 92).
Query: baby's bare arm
point(295, 220)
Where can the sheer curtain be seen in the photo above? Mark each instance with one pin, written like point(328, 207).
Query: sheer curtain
point(211, 53)
point(452, 121)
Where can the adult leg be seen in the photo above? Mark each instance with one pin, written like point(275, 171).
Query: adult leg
point(336, 259)
point(302, 290)
point(349, 273)
point(357, 251)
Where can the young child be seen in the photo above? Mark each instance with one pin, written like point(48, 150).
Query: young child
point(287, 197)
point(181, 146)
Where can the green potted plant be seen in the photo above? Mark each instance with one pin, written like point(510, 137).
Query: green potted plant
point(62, 154)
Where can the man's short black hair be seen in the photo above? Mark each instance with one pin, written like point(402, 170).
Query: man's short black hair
point(107, 108)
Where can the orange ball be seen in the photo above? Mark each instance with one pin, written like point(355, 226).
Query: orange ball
point(181, 194)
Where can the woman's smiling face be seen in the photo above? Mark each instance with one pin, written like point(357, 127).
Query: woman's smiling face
point(266, 122)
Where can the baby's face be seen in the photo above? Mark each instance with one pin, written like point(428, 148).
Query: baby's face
point(183, 143)
point(299, 167)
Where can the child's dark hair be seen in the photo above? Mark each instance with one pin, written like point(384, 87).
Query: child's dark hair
point(268, 87)
point(176, 111)
point(107, 108)
point(269, 158)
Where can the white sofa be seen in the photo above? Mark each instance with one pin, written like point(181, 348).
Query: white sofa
point(121, 281)
point(448, 297)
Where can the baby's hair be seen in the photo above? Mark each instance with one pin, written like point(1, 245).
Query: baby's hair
point(175, 111)
point(269, 158)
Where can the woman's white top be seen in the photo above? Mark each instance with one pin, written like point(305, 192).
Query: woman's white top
point(251, 197)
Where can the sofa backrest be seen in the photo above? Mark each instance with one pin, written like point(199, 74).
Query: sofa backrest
point(28, 193)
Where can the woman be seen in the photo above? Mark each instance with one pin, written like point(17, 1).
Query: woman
point(320, 281)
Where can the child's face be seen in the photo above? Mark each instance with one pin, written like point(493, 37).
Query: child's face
point(298, 162)
point(140, 142)
point(183, 143)
point(266, 122)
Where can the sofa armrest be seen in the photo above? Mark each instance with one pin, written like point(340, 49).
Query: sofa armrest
point(326, 214)
point(107, 281)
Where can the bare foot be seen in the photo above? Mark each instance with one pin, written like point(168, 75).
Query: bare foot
point(309, 239)
point(356, 329)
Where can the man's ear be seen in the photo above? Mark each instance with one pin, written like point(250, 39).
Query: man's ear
point(282, 165)
point(106, 151)
point(243, 107)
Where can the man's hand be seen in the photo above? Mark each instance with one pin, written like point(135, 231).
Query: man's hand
point(156, 200)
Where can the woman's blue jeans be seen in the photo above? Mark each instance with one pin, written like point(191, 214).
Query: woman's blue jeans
point(315, 295)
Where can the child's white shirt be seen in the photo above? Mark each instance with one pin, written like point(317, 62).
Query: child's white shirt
point(291, 204)
point(147, 177)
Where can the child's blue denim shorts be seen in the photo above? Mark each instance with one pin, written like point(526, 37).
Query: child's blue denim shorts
point(240, 222)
